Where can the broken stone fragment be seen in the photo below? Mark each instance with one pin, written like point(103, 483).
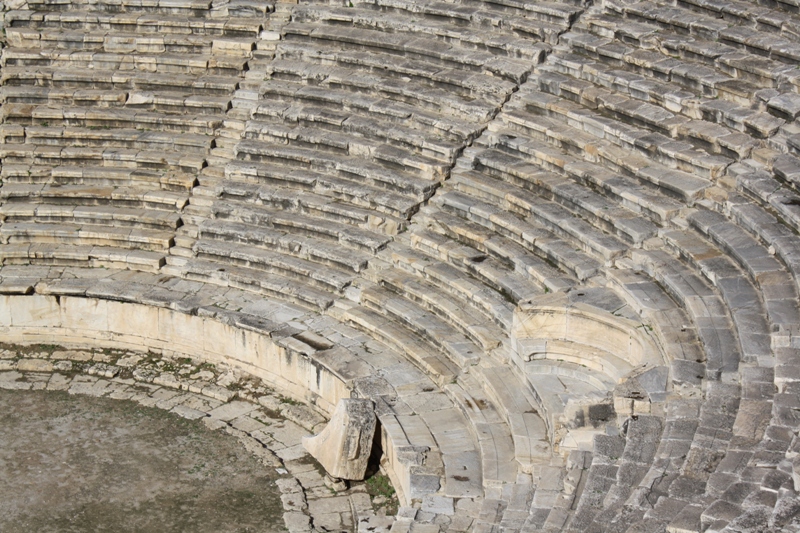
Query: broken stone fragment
point(344, 446)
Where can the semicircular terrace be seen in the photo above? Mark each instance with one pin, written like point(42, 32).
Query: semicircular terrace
point(554, 242)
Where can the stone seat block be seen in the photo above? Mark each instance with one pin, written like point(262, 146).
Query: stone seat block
point(737, 291)
point(78, 137)
point(449, 278)
point(375, 80)
point(411, 46)
point(528, 275)
point(317, 205)
point(67, 255)
point(92, 215)
point(275, 285)
point(556, 219)
point(746, 250)
point(166, 63)
point(136, 22)
point(297, 222)
point(331, 279)
point(340, 143)
point(435, 331)
point(278, 239)
point(431, 298)
point(177, 102)
point(362, 126)
point(517, 193)
point(481, 234)
point(628, 193)
point(439, 368)
point(758, 124)
point(59, 96)
point(772, 194)
point(674, 182)
point(340, 187)
point(528, 429)
point(549, 394)
point(123, 118)
point(458, 34)
point(112, 157)
point(372, 173)
point(122, 42)
point(563, 117)
point(116, 237)
point(175, 7)
point(136, 197)
point(91, 79)
point(279, 97)
point(489, 430)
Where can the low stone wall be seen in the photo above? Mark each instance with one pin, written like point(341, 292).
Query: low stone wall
point(93, 322)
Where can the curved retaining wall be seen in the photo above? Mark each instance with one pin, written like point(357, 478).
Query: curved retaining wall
point(109, 324)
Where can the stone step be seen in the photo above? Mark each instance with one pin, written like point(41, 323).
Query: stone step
point(177, 7)
point(196, 65)
point(427, 295)
point(91, 215)
point(435, 365)
point(226, 274)
point(136, 23)
point(115, 41)
point(558, 220)
point(735, 288)
point(97, 79)
point(341, 143)
point(308, 64)
point(223, 252)
point(488, 429)
point(277, 95)
point(479, 229)
point(124, 118)
point(134, 197)
point(97, 177)
point(71, 255)
point(413, 47)
point(528, 430)
point(400, 180)
point(698, 148)
point(502, 265)
point(436, 21)
point(312, 204)
point(630, 194)
point(346, 235)
point(340, 187)
point(130, 158)
point(460, 284)
point(86, 234)
point(358, 125)
point(91, 137)
point(427, 326)
point(521, 196)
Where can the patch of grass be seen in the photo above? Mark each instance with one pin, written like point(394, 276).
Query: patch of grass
point(380, 485)
point(289, 401)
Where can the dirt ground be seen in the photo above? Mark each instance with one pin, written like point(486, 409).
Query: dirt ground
point(78, 464)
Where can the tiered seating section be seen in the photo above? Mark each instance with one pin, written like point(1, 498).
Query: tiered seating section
point(109, 113)
point(564, 236)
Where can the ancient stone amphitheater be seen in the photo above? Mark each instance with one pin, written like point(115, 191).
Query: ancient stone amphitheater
point(555, 243)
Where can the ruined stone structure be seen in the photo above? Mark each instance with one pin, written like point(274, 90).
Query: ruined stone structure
point(554, 243)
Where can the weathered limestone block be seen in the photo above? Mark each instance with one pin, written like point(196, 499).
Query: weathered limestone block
point(344, 446)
